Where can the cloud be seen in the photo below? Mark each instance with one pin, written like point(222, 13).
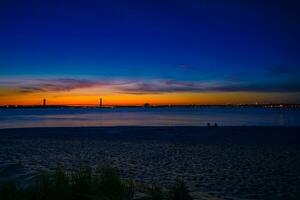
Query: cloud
point(159, 86)
point(140, 87)
point(36, 85)
point(260, 87)
point(54, 85)
point(171, 86)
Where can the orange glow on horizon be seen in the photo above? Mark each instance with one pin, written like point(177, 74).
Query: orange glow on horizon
point(88, 98)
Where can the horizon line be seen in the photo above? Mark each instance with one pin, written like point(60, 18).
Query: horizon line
point(150, 105)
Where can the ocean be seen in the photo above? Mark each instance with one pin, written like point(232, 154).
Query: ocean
point(197, 116)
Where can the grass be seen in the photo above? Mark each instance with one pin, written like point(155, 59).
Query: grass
point(83, 184)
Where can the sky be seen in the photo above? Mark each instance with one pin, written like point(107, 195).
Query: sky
point(159, 52)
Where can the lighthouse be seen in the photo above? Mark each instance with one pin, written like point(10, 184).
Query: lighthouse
point(44, 102)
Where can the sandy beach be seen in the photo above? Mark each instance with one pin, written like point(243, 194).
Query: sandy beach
point(223, 162)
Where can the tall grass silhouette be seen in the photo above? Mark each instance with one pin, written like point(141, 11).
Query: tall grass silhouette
point(85, 184)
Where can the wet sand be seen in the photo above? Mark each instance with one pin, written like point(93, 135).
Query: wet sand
point(223, 162)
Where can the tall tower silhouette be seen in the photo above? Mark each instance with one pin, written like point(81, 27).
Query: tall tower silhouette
point(100, 103)
point(44, 102)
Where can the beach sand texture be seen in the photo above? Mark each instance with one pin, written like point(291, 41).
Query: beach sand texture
point(223, 162)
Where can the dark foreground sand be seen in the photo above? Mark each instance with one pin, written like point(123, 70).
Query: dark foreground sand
point(223, 162)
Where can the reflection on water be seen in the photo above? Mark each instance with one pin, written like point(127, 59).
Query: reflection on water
point(52, 117)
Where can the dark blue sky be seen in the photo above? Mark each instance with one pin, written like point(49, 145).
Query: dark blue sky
point(253, 42)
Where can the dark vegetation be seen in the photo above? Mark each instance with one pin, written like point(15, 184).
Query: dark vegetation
point(84, 184)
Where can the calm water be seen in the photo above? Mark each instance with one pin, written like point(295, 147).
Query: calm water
point(52, 117)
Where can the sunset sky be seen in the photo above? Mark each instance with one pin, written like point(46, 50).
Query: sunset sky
point(160, 52)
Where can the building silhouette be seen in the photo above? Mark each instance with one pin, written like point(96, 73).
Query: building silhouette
point(147, 105)
point(44, 102)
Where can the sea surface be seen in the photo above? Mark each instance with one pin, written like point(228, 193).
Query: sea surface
point(80, 117)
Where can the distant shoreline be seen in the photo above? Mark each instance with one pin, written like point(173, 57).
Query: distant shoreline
point(157, 106)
